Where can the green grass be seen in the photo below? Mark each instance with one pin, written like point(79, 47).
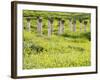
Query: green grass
point(71, 49)
point(57, 51)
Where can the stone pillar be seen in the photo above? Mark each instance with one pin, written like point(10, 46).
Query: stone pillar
point(59, 26)
point(50, 26)
point(39, 25)
point(70, 25)
point(62, 24)
point(80, 20)
point(74, 26)
point(28, 24)
point(85, 23)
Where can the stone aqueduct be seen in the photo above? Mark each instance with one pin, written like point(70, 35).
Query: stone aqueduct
point(61, 22)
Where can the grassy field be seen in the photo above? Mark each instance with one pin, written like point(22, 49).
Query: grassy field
point(71, 49)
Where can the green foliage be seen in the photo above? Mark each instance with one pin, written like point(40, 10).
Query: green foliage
point(56, 15)
point(71, 49)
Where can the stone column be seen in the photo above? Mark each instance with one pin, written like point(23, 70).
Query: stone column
point(74, 26)
point(85, 23)
point(50, 26)
point(59, 26)
point(70, 24)
point(28, 24)
point(80, 20)
point(62, 24)
point(39, 25)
